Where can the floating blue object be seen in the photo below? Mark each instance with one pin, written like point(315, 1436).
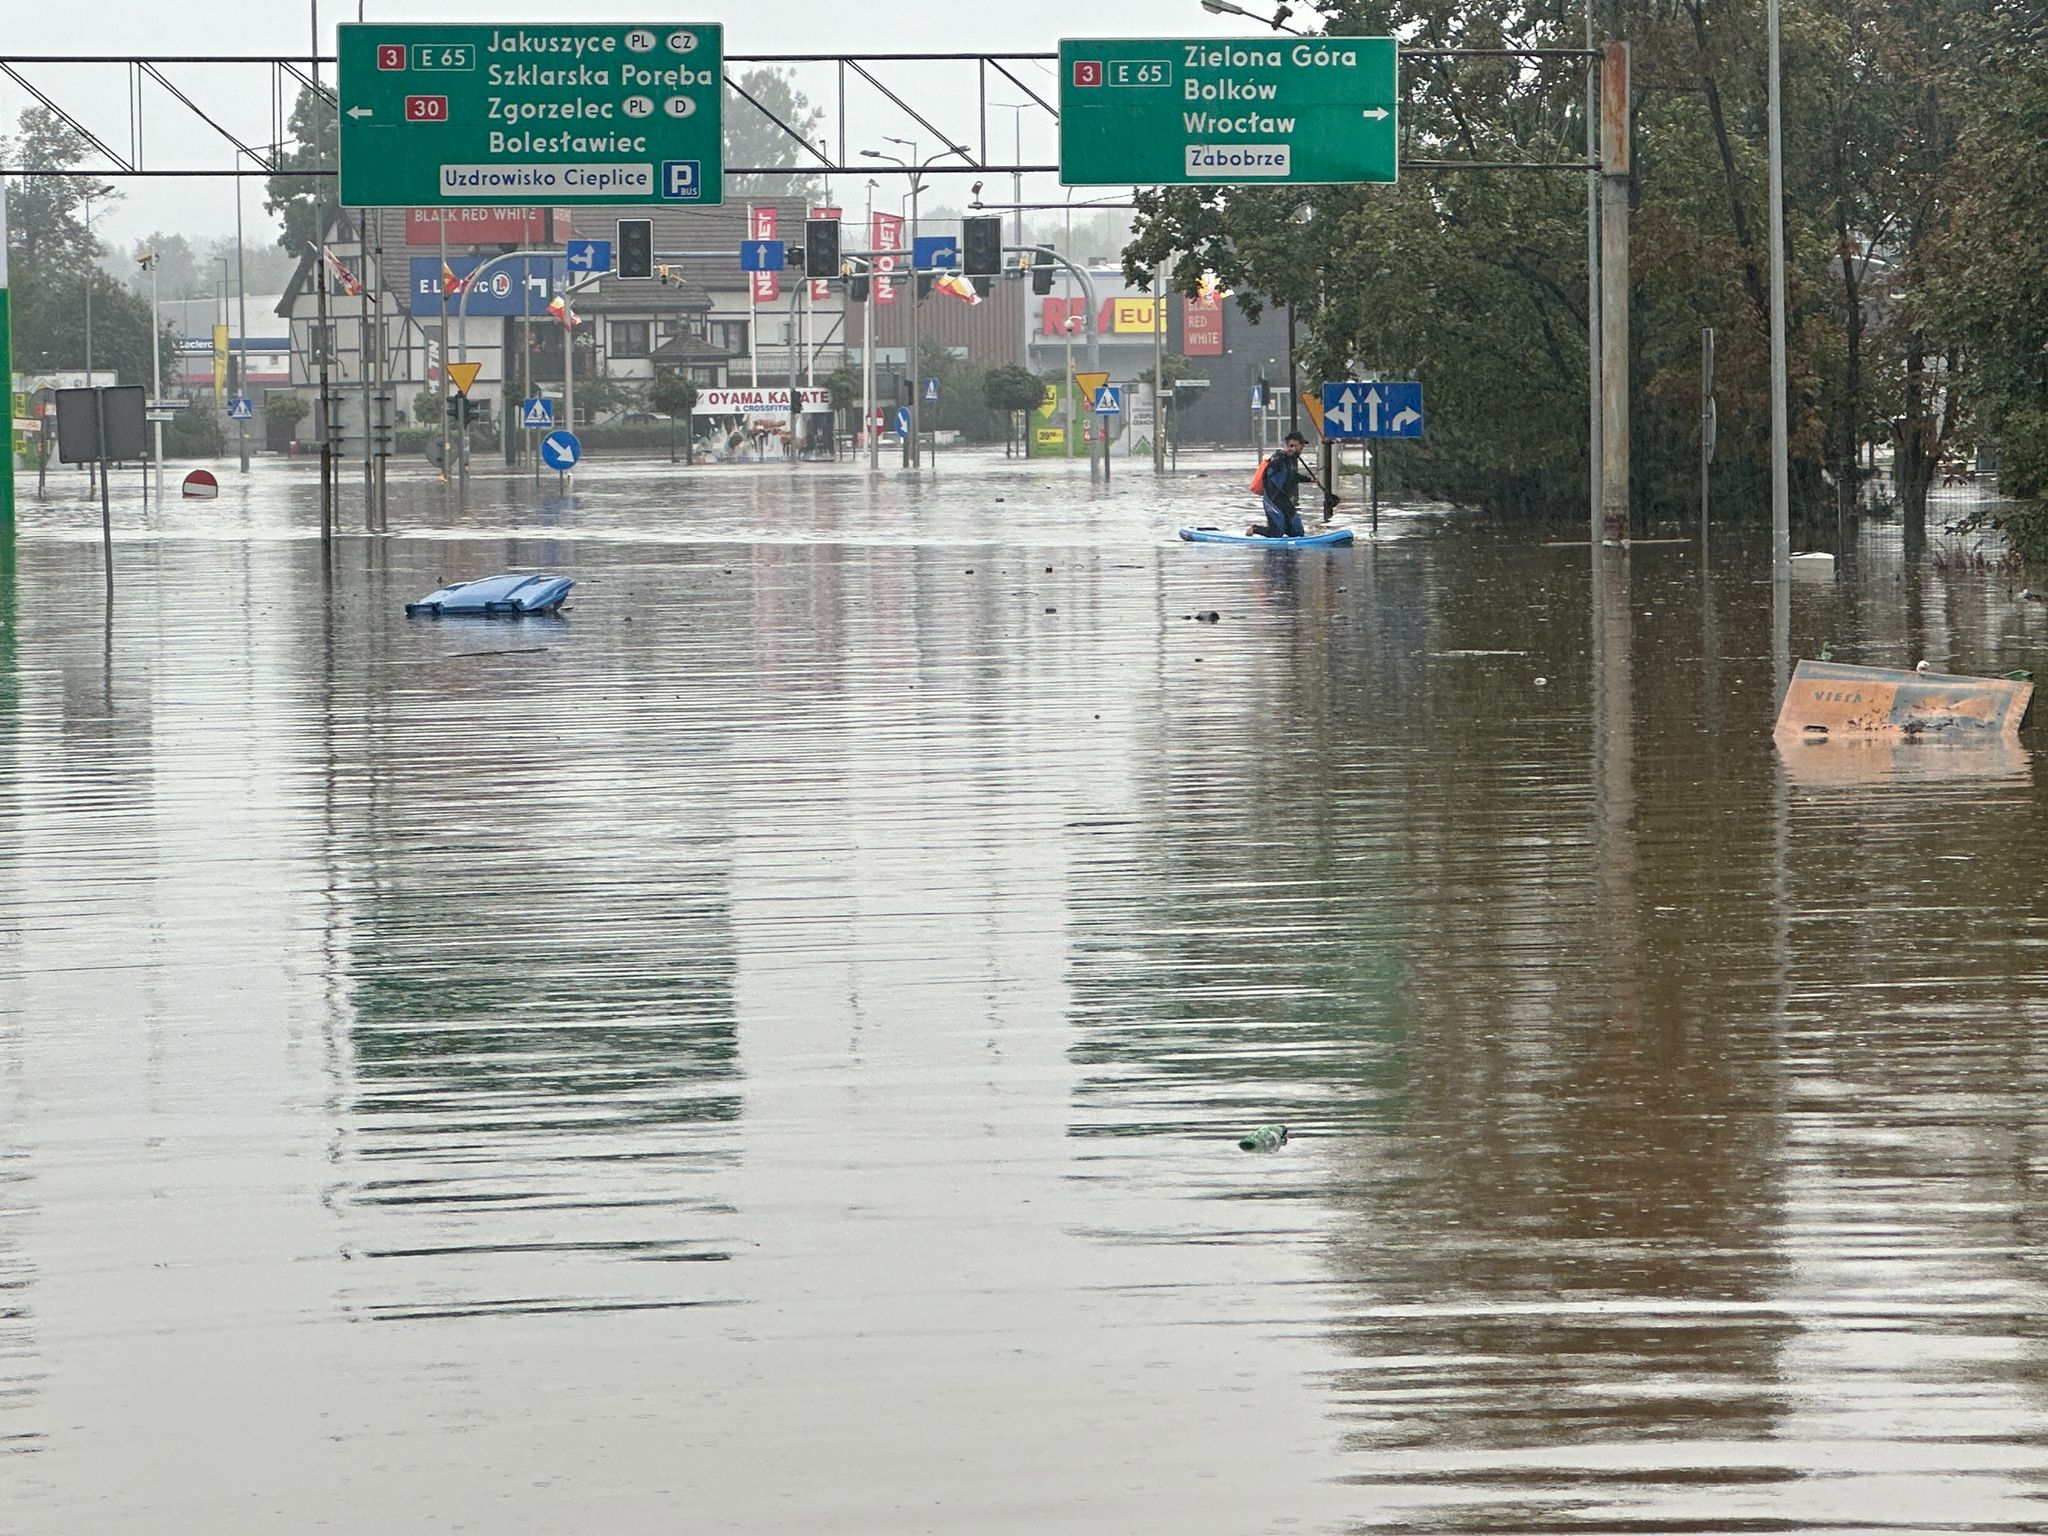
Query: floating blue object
point(1308, 541)
point(494, 595)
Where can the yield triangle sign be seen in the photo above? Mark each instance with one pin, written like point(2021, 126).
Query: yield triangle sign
point(464, 374)
point(1091, 383)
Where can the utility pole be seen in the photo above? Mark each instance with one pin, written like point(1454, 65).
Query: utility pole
point(1159, 368)
point(242, 322)
point(441, 357)
point(363, 364)
point(1781, 473)
point(156, 368)
point(1614, 174)
point(320, 290)
point(1595, 467)
point(797, 293)
point(915, 368)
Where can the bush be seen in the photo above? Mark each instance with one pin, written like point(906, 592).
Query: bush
point(2023, 454)
point(285, 412)
point(195, 433)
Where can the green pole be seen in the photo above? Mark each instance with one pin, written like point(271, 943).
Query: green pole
point(6, 393)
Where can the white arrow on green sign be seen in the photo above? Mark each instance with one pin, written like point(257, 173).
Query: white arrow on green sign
point(1257, 111)
point(518, 114)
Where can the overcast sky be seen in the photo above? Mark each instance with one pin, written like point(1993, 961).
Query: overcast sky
point(156, 29)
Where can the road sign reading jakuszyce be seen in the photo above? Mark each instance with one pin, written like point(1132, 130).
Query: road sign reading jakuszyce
point(522, 114)
point(1251, 111)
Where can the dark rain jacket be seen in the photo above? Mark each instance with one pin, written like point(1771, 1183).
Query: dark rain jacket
point(1283, 481)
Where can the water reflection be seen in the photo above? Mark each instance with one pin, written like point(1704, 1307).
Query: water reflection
point(778, 1039)
point(533, 925)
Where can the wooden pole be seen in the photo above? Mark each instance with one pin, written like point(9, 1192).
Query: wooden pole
point(1614, 278)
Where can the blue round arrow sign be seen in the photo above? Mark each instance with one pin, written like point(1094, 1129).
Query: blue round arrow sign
point(559, 450)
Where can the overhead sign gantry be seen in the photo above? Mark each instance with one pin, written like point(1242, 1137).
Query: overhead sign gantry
point(1248, 111)
point(513, 114)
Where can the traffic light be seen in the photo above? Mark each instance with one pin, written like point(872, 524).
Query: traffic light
point(821, 247)
point(924, 285)
point(857, 289)
point(636, 247)
point(981, 246)
point(1041, 279)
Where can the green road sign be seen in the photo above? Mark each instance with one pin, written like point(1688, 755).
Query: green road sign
point(1173, 111)
point(514, 114)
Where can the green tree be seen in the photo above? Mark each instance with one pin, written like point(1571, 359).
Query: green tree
point(1013, 391)
point(963, 401)
point(286, 410)
point(54, 260)
point(845, 383)
point(297, 200)
point(752, 138)
point(674, 395)
point(1987, 285)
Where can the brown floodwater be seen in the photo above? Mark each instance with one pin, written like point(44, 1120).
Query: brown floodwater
point(767, 1051)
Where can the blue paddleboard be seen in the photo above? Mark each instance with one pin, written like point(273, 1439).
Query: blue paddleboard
point(1326, 539)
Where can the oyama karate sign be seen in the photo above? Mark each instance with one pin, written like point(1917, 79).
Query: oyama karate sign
point(758, 402)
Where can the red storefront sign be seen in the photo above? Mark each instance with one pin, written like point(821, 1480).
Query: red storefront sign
point(1201, 322)
point(820, 289)
point(487, 226)
point(887, 236)
point(761, 226)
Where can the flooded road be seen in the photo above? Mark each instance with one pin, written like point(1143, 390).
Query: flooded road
point(767, 1051)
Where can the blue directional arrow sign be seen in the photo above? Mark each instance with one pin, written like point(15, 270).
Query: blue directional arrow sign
point(559, 450)
point(903, 421)
point(761, 256)
point(588, 256)
point(1354, 410)
point(239, 408)
point(936, 253)
point(537, 411)
point(1109, 400)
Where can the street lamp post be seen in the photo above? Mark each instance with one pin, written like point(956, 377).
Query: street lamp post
point(221, 320)
point(916, 167)
point(242, 325)
point(1277, 21)
point(148, 261)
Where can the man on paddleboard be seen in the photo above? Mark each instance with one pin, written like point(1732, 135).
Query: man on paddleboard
point(1281, 487)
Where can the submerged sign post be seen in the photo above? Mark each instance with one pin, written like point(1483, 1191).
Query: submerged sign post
point(1181, 111)
point(520, 114)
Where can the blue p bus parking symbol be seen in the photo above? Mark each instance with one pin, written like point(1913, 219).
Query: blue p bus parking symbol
point(682, 179)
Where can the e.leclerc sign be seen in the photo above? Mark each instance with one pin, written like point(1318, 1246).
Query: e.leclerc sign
point(531, 114)
point(1174, 111)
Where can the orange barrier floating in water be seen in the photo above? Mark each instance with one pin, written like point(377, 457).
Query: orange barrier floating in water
point(1823, 762)
point(1829, 699)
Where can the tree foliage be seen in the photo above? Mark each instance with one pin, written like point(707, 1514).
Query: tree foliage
point(296, 200)
point(53, 259)
point(1013, 391)
point(672, 393)
point(1475, 281)
point(751, 139)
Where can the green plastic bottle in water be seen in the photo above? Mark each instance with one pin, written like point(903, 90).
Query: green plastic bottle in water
point(1264, 1139)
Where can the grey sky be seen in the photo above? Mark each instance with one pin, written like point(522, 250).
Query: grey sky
point(205, 208)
